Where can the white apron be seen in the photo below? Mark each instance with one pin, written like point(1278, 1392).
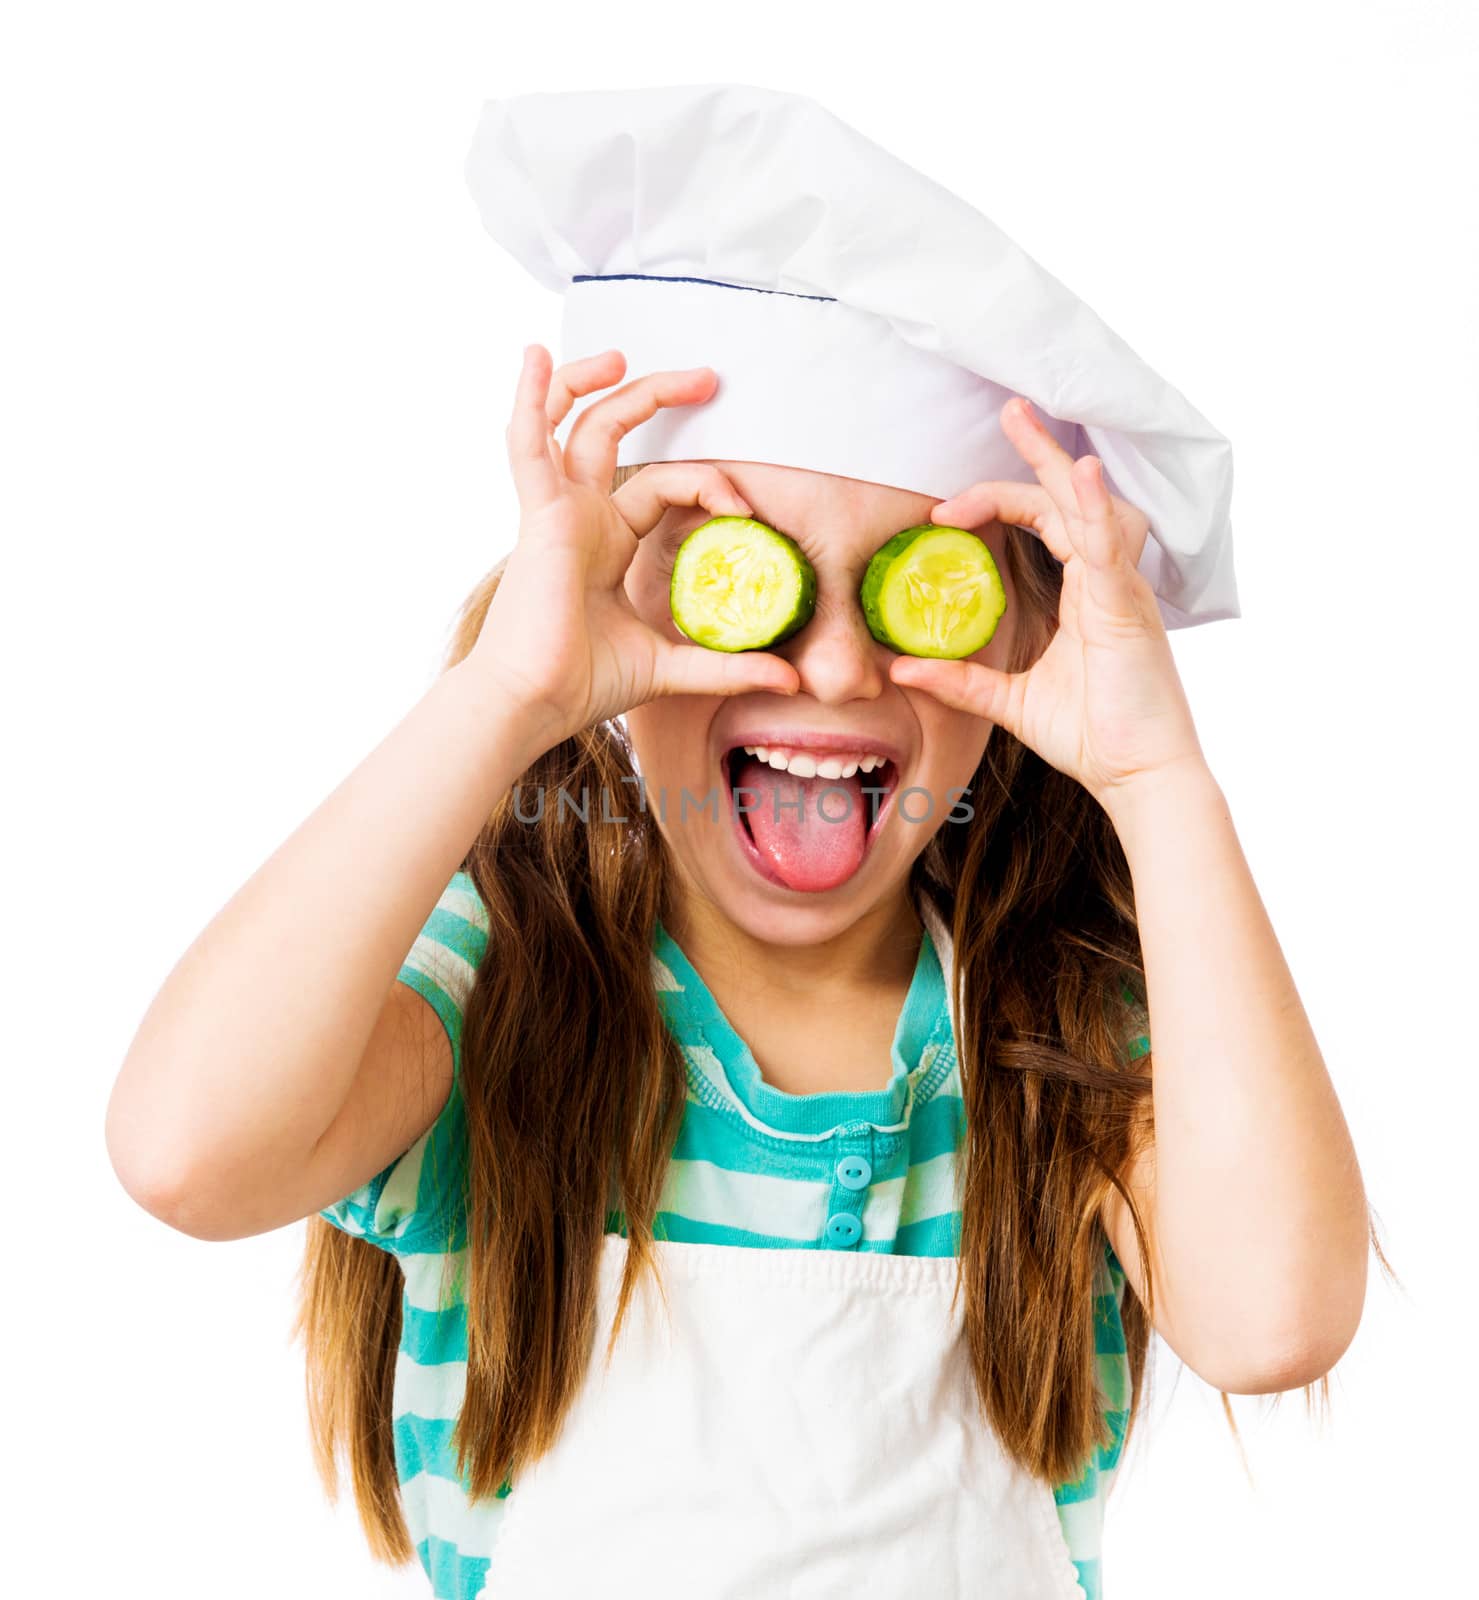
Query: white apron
point(801, 1425)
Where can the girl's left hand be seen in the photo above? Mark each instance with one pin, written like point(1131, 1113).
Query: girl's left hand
point(1104, 702)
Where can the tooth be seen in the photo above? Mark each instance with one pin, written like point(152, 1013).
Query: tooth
point(750, 750)
point(777, 759)
point(831, 767)
point(761, 751)
point(848, 769)
point(865, 764)
point(802, 766)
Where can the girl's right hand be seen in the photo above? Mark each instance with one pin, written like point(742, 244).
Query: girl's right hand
point(561, 637)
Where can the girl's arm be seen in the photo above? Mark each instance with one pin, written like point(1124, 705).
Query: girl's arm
point(285, 1012)
point(1251, 1194)
point(251, 1048)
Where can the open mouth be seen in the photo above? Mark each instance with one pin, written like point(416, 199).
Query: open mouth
point(805, 818)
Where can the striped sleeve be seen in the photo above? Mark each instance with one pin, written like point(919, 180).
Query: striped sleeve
point(414, 1204)
point(1137, 1012)
point(1137, 1044)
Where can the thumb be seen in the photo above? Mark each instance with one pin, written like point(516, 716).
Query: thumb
point(962, 685)
point(692, 669)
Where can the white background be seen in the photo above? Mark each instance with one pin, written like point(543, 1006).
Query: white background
point(256, 359)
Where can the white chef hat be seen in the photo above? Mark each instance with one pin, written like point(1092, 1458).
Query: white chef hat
point(863, 320)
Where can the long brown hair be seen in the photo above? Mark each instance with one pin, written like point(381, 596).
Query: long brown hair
point(569, 1125)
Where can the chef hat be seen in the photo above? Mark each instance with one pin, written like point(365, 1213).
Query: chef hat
point(863, 320)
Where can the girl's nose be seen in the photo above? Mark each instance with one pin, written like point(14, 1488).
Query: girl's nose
point(835, 655)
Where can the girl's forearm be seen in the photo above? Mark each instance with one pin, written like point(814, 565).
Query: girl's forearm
point(253, 1041)
point(1259, 1210)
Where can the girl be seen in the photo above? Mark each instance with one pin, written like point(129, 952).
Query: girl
point(708, 1192)
point(709, 1197)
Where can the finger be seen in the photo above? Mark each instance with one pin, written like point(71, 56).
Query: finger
point(1028, 505)
point(537, 480)
point(1109, 573)
point(964, 686)
point(646, 495)
point(591, 446)
point(1040, 450)
point(581, 377)
point(691, 669)
point(1070, 601)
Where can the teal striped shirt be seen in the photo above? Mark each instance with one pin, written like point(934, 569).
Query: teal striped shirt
point(753, 1166)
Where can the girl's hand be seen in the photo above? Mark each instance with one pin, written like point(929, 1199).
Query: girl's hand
point(1104, 702)
point(561, 636)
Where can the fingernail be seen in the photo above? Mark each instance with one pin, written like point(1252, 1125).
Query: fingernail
point(1027, 410)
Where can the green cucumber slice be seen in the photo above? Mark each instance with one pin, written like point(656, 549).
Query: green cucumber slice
point(933, 591)
point(739, 585)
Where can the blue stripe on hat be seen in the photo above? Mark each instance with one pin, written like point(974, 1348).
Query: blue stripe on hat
point(657, 277)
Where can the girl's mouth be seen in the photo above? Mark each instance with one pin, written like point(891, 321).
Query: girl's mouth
point(805, 816)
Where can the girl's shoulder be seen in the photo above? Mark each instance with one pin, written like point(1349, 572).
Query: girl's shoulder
point(442, 964)
point(413, 1204)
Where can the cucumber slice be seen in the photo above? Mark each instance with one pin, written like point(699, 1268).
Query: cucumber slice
point(739, 585)
point(933, 591)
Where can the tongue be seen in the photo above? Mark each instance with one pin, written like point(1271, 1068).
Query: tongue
point(806, 847)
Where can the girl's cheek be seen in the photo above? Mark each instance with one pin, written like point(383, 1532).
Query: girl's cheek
point(670, 735)
point(953, 741)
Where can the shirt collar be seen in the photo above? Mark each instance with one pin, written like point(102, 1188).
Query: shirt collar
point(713, 1045)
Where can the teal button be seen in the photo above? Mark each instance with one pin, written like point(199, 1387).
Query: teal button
point(854, 1172)
point(844, 1229)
